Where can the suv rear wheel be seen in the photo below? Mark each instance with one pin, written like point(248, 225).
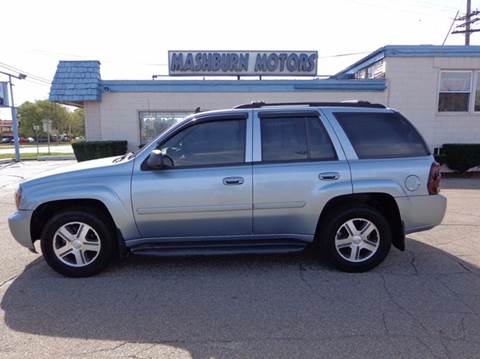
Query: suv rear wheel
point(356, 238)
point(77, 243)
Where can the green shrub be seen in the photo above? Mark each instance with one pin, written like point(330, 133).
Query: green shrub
point(90, 150)
point(441, 158)
point(462, 157)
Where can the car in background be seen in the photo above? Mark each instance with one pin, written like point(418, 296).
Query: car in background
point(44, 138)
point(64, 138)
point(6, 139)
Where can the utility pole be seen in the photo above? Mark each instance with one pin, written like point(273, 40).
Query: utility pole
point(467, 22)
point(16, 140)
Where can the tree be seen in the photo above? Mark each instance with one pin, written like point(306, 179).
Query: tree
point(63, 120)
point(77, 122)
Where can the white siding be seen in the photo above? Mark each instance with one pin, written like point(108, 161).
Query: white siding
point(120, 118)
point(412, 88)
point(93, 129)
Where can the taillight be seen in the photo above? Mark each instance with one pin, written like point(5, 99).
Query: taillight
point(434, 179)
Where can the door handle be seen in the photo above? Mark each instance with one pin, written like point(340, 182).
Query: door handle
point(329, 176)
point(228, 181)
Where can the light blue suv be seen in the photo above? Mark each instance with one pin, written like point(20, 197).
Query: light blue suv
point(346, 179)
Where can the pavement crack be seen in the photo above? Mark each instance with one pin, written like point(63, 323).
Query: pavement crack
point(302, 269)
point(384, 320)
point(464, 266)
point(447, 352)
point(136, 355)
point(412, 262)
point(104, 350)
point(459, 298)
point(403, 309)
point(8, 280)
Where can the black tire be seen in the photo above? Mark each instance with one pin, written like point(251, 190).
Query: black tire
point(101, 225)
point(333, 222)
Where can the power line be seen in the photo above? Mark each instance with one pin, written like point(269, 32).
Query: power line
point(346, 54)
point(35, 82)
point(465, 21)
point(450, 29)
point(30, 75)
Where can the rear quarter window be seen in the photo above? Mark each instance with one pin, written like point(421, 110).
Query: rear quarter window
point(381, 135)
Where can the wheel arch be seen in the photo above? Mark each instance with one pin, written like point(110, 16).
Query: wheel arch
point(383, 202)
point(46, 210)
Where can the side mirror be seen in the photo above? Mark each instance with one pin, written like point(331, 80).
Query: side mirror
point(155, 160)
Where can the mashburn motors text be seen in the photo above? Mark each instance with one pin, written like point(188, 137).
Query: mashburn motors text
point(253, 62)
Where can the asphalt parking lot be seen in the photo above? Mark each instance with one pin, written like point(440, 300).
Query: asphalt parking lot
point(422, 303)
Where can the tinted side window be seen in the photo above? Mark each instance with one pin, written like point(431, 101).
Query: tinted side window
point(295, 138)
point(211, 143)
point(283, 139)
point(381, 135)
point(319, 142)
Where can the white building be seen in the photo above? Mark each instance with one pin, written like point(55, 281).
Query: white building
point(436, 87)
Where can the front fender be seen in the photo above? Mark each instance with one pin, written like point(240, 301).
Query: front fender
point(115, 196)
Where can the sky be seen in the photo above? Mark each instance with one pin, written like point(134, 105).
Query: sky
point(131, 38)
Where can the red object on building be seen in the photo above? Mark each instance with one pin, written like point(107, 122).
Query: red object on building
point(6, 128)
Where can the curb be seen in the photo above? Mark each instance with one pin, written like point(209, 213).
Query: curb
point(55, 158)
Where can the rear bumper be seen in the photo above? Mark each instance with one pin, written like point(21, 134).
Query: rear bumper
point(421, 213)
point(19, 223)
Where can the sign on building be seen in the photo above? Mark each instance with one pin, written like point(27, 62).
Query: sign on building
point(242, 63)
point(4, 102)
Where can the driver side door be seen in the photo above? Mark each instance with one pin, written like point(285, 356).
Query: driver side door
point(205, 189)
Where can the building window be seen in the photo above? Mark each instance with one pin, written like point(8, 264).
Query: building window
point(376, 71)
point(455, 87)
point(477, 94)
point(154, 123)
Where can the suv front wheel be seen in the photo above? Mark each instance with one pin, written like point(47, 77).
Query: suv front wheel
point(77, 243)
point(356, 238)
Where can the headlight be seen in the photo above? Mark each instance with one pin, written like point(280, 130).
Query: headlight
point(18, 197)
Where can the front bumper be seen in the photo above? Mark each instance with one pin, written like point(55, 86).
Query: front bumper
point(19, 223)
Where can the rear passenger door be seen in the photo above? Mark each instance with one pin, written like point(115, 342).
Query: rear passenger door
point(298, 165)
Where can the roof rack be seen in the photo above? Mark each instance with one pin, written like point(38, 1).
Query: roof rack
point(354, 103)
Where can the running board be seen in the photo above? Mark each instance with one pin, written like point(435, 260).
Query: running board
point(216, 248)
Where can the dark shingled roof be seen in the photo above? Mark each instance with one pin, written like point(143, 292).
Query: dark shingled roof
point(76, 82)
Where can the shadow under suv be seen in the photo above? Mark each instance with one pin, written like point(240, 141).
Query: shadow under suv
point(347, 179)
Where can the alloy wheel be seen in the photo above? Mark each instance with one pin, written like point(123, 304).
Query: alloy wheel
point(76, 244)
point(357, 240)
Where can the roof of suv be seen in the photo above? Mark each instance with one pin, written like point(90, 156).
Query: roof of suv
point(261, 104)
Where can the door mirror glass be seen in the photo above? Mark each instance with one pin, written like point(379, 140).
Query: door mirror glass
point(155, 160)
